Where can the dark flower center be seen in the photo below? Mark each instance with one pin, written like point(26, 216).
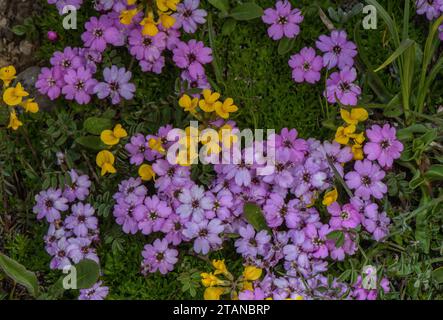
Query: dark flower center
point(337, 49)
point(287, 144)
point(366, 180)
point(51, 82)
point(114, 86)
point(203, 233)
point(187, 13)
point(61, 253)
point(344, 86)
point(279, 167)
point(170, 172)
point(80, 85)
point(66, 63)
point(385, 144)
point(153, 215)
point(177, 226)
point(344, 215)
point(306, 177)
point(81, 218)
point(195, 204)
point(317, 242)
point(282, 20)
point(283, 211)
point(85, 249)
point(253, 242)
point(147, 42)
point(160, 256)
point(306, 66)
point(98, 33)
point(192, 57)
point(49, 203)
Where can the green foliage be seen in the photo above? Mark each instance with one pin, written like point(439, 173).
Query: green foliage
point(19, 274)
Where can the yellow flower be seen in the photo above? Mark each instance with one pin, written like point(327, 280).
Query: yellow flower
point(213, 293)
point(357, 150)
point(359, 138)
point(227, 107)
point(14, 122)
point(149, 25)
point(246, 285)
point(146, 173)
point(14, 96)
point(210, 101)
point(210, 280)
point(7, 74)
point(105, 160)
point(165, 5)
point(167, 21)
point(30, 106)
point(156, 145)
point(112, 137)
point(344, 133)
point(188, 104)
point(126, 16)
point(211, 143)
point(252, 273)
point(330, 197)
point(220, 267)
point(355, 116)
point(131, 2)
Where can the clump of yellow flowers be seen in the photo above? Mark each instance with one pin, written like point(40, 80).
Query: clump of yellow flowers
point(105, 159)
point(348, 135)
point(157, 12)
point(222, 282)
point(14, 97)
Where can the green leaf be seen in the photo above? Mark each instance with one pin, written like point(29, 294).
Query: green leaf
point(91, 142)
point(255, 217)
point(338, 236)
point(435, 173)
point(229, 27)
point(222, 5)
point(405, 45)
point(88, 272)
point(285, 45)
point(19, 30)
point(19, 274)
point(95, 125)
point(416, 180)
point(437, 274)
point(246, 11)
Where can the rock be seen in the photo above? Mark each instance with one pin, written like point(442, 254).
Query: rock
point(26, 47)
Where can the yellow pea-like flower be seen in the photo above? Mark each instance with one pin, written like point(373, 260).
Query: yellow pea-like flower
point(210, 102)
point(167, 21)
point(105, 160)
point(7, 74)
point(188, 104)
point(30, 106)
point(213, 293)
point(14, 122)
point(355, 116)
point(126, 16)
point(330, 197)
point(149, 25)
point(225, 108)
point(112, 137)
point(14, 96)
point(146, 172)
point(252, 273)
point(343, 134)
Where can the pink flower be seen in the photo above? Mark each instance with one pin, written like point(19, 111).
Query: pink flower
point(306, 66)
point(383, 145)
point(283, 19)
point(366, 180)
point(341, 86)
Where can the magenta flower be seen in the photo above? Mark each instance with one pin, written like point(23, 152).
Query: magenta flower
point(138, 149)
point(169, 175)
point(288, 144)
point(145, 47)
point(194, 203)
point(338, 155)
point(116, 85)
point(97, 292)
point(192, 56)
point(60, 4)
point(159, 256)
point(276, 211)
point(50, 82)
point(341, 86)
point(376, 223)
point(82, 219)
point(251, 244)
point(49, 205)
point(315, 240)
point(101, 32)
point(306, 66)
point(283, 19)
point(79, 85)
point(366, 180)
point(124, 215)
point(60, 257)
point(338, 51)
point(346, 217)
point(80, 249)
point(188, 16)
point(68, 59)
point(383, 145)
point(79, 187)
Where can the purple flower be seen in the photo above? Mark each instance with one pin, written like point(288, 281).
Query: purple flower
point(206, 234)
point(431, 8)
point(124, 215)
point(376, 223)
point(172, 36)
point(100, 32)
point(194, 203)
point(80, 248)
point(152, 64)
point(366, 180)
point(346, 217)
point(277, 210)
point(306, 66)
point(315, 240)
point(308, 178)
point(60, 4)
point(79, 187)
point(82, 219)
point(200, 81)
point(137, 148)
point(173, 227)
point(188, 16)
point(60, 257)
point(68, 59)
point(159, 256)
point(49, 204)
point(145, 47)
point(131, 190)
point(151, 215)
point(250, 244)
point(79, 85)
point(338, 51)
point(91, 57)
point(169, 175)
point(383, 145)
point(338, 155)
point(340, 85)
point(116, 85)
point(288, 144)
point(50, 82)
point(97, 292)
point(348, 247)
point(283, 19)
point(240, 173)
point(192, 56)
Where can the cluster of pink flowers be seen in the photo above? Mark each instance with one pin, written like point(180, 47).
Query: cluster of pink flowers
point(299, 236)
point(73, 232)
point(73, 69)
